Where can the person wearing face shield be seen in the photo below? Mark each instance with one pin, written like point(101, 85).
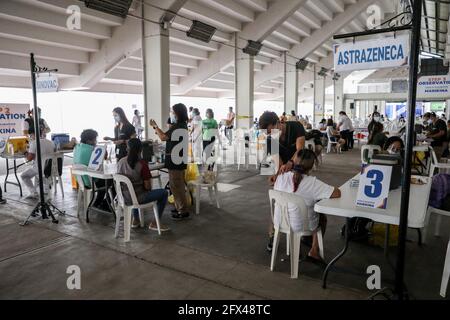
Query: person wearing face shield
point(28, 125)
point(123, 132)
point(394, 146)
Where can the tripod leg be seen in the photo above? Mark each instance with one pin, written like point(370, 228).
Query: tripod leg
point(45, 208)
point(52, 206)
point(32, 214)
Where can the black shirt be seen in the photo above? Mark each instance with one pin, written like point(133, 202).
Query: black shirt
point(439, 125)
point(171, 144)
point(123, 133)
point(287, 145)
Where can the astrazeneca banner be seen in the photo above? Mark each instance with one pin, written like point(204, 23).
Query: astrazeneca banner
point(11, 119)
point(434, 85)
point(372, 54)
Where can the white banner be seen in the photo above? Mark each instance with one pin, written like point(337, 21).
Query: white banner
point(46, 83)
point(372, 54)
point(434, 85)
point(12, 117)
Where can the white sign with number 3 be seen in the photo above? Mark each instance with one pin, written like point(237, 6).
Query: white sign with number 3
point(97, 157)
point(374, 183)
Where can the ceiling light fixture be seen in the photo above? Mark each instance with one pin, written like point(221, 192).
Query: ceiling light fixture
point(201, 31)
point(252, 48)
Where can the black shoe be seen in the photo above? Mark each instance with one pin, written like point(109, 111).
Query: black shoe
point(174, 211)
point(2, 201)
point(180, 216)
point(270, 244)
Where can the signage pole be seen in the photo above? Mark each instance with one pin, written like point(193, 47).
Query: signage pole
point(37, 136)
point(406, 180)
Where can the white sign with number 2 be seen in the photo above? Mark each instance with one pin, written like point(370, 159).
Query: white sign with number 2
point(374, 183)
point(97, 157)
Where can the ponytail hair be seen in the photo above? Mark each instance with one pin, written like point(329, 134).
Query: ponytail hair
point(304, 162)
point(134, 152)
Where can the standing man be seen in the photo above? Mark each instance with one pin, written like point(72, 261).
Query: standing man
point(291, 139)
point(230, 125)
point(28, 125)
point(344, 127)
point(438, 132)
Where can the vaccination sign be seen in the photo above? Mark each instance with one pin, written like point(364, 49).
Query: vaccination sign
point(46, 83)
point(11, 119)
point(437, 85)
point(372, 54)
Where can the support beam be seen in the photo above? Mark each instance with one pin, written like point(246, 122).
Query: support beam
point(244, 89)
point(22, 48)
point(338, 98)
point(290, 85)
point(319, 97)
point(309, 45)
point(20, 31)
point(266, 23)
point(31, 15)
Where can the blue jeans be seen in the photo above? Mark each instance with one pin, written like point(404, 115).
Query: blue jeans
point(158, 195)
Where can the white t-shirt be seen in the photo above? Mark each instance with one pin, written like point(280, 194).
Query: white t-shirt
point(311, 190)
point(47, 148)
point(345, 123)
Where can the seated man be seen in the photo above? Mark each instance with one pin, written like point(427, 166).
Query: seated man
point(47, 150)
point(82, 155)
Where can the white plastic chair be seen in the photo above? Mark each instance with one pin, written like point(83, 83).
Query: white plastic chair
point(124, 210)
point(437, 165)
point(332, 144)
point(446, 273)
point(55, 177)
point(370, 152)
point(282, 199)
point(198, 184)
point(84, 194)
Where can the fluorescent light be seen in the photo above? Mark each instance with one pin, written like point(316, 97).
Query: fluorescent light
point(301, 64)
point(252, 48)
point(201, 31)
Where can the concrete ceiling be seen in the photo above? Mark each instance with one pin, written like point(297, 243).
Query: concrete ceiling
point(105, 55)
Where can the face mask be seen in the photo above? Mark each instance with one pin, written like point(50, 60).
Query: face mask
point(377, 119)
point(394, 152)
point(117, 118)
point(173, 119)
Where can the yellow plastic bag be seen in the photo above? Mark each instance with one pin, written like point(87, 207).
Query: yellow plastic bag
point(192, 173)
point(171, 199)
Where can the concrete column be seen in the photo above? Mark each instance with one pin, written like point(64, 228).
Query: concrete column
point(290, 85)
point(338, 97)
point(244, 86)
point(156, 72)
point(319, 97)
point(447, 109)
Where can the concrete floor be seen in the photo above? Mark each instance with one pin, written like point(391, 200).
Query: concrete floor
point(219, 254)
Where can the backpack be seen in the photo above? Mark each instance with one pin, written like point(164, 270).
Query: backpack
point(357, 229)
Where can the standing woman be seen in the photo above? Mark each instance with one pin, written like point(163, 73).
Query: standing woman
point(196, 136)
point(209, 129)
point(179, 120)
point(123, 132)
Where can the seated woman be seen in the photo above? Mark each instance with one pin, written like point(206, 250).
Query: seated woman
point(377, 136)
point(333, 135)
point(311, 190)
point(394, 145)
point(138, 172)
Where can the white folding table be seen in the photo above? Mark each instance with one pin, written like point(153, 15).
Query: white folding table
point(106, 173)
point(345, 207)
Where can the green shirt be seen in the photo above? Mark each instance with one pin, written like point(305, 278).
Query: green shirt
point(208, 126)
point(82, 155)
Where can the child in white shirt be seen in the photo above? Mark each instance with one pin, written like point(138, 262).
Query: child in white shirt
point(310, 189)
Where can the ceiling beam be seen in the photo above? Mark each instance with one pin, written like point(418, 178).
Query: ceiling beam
point(317, 38)
point(22, 48)
point(36, 34)
point(35, 16)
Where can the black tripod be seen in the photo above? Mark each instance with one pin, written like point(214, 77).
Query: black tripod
point(44, 208)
